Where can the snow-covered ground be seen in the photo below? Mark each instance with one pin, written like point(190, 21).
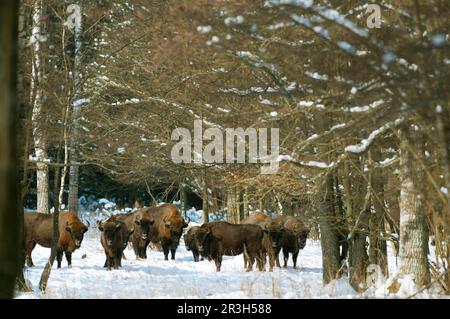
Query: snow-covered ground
point(183, 278)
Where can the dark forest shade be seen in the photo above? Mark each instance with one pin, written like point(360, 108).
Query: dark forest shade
point(9, 223)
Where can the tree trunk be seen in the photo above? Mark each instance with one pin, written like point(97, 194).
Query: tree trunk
point(55, 236)
point(378, 247)
point(40, 145)
point(231, 205)
point(357, 188)
point(9, 188)
point(329, 236)
point(183, 198)
point(74, 168)
point(413, 253)
point(245, 203)
point(205, 201)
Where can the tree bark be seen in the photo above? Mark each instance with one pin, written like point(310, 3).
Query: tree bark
point(245, 203)
point(378, 247)
point(231, 205)
point(413, 253)
point(329, 236)
point(357, 206)
point(75, 169)
point(9, 187)
point(40, 144)
point(205, 201)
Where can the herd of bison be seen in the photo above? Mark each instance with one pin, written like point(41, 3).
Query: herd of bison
point(258, 237)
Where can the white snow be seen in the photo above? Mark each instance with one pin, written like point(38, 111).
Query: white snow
point(80, 102)
point(362, 146)
point(234, 20)
point(179, 278)
point(365, 108)
point(184, 278)
point(204, 28)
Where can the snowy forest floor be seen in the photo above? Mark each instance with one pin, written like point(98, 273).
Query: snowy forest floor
point(183, 278)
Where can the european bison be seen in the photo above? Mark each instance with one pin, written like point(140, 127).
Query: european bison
point(38, 229)
point(191, 244)
point(294, 238)
point(113, 236)
point(273, 236)
point(140, 223)
point(217, 239)
point(167, 226)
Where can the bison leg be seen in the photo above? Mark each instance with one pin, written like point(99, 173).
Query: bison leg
point(277, 257)
point(144, 251)
point(271, 260)
point(294, 258)
point(59, 256)
point(166, 252)
point(28, 249)
point(172, 252)
point(285, 257)
point(68, 258)
point(136, 250)
point(116, 261)
point(109, 262)
point(195, 254)
point(246, 259)
point(261, 261)
point(251, 261)
point(218, 262)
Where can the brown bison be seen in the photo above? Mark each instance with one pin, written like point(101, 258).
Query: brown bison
point(141, 222)
point(294, 238)
point(217, 239)
point(272, 240)
point(38, 229)
point(167, 226)
point(191, 244)
point(113, 239)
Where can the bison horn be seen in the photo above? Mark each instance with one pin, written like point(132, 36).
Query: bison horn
point(117, 226)
point(188, 220)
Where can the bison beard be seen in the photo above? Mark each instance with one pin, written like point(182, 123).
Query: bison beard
point(38, 229)
point(217, 239)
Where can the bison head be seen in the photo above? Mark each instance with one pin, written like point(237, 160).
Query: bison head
point(109, 230)
point(301, 237)
point(143, 226)
point(188, 238)
point(76, 231)
point(175, 227)
point(275, 231)
point(201, 236)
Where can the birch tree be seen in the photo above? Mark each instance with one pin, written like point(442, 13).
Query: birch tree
point(76, 25)
point(38, 117)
